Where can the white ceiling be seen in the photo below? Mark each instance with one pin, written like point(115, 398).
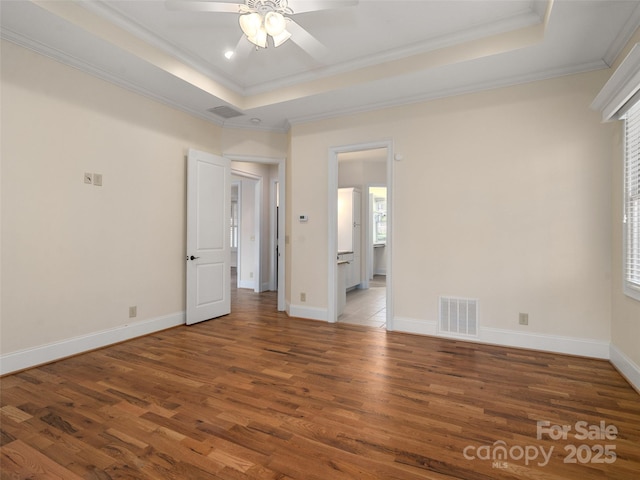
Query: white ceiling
point(378, 53)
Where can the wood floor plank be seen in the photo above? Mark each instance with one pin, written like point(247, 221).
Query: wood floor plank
point(19, 460)
point(259, 395)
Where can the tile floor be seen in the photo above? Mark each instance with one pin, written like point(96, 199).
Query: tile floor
point(367, 307)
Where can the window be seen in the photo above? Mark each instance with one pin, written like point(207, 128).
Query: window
point(620, 99)
point(632, 202)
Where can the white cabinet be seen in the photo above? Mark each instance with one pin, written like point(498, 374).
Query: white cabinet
point(350, 232)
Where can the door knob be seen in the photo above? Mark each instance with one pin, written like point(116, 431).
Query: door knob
point(193, 258)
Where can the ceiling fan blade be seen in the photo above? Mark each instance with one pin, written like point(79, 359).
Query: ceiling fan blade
point(203, 6)
point(302, 6)
point(306, 41)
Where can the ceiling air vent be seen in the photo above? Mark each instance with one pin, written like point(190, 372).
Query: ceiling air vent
point(458, 316)
point(225, 112)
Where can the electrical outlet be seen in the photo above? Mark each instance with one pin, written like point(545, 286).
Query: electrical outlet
point(303, 297)
point(133, 311)
point(250, 274)
point(523, 319)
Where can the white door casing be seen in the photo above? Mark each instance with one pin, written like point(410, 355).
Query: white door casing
point(280, 258)
point(332, 226)
point(208, 249)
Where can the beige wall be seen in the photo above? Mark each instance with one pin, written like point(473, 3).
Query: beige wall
point(503, 195)
point(254, 143)
point(76, 256)
point(361, 173)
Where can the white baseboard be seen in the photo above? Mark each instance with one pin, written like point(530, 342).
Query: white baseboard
point(30, 357)
point(512, 338)
point(250, 284)
point(412, 325)
point(585, 347)
point(312, 313)
point(627, 367)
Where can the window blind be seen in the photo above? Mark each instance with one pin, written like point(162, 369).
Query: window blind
point(632, 200)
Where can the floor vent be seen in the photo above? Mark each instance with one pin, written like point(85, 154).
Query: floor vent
point(459, 316)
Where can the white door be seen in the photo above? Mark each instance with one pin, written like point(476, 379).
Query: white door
point(208, 235)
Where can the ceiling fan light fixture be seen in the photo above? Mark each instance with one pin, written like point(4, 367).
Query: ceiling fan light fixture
point(250, 23)
point(260, 38)
point(261, 19)
point(274, 23)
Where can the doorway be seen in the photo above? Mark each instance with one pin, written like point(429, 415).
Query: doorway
point(247, 210)
point(260, 228)
point(361, 169)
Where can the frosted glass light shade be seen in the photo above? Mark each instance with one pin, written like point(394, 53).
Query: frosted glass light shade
point(250, 24)
point(260, 38)
point(257, 29)
point(274, 23)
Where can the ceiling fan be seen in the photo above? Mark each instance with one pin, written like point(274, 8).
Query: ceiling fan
point(261, 20)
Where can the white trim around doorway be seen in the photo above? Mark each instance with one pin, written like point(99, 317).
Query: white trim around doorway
point(281, 162)
point(332, 225)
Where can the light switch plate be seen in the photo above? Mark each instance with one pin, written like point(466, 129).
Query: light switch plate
point(88, 178)
point(97, 179)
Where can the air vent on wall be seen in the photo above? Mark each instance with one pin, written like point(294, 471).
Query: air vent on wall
point(225, 112)
point(459, 316)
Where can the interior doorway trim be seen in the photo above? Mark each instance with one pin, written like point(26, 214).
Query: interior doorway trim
point(281, 162)
point(257, 228)
point(332, 227)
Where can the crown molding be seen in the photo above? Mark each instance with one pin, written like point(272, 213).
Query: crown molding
point(444, 93)
point(84, 66)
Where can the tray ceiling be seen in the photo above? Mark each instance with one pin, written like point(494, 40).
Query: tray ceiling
point(377, 53)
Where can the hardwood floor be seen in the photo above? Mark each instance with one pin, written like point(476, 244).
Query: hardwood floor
point(258, 395)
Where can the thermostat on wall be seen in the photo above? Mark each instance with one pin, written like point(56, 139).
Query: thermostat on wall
point(304, 218)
